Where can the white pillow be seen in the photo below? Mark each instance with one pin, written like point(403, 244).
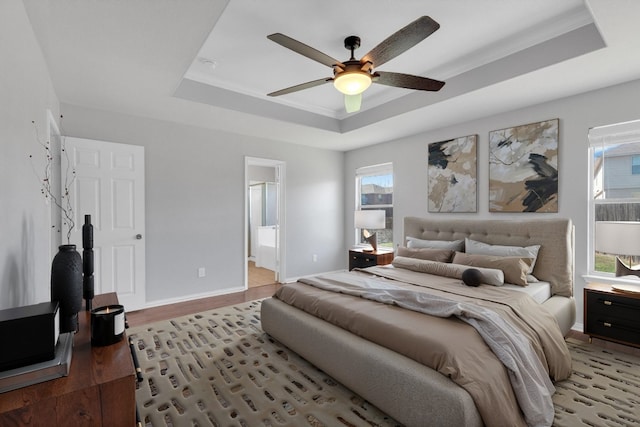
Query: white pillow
point(479, 248)
point(454, 245)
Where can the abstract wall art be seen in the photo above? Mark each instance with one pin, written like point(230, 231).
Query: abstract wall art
point(523, 168)
point(451, 169)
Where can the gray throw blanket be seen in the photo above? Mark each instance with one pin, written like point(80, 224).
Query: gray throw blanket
point(529, 378)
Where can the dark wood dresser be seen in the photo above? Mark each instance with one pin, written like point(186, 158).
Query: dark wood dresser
point(99, 390)
point(612, 315)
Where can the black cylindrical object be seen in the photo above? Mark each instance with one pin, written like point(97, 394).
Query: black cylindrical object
point(87, 289)
point(87, 233)
point(87, 262)
point(107, 325)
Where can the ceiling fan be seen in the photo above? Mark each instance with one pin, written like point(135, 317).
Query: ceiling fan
point(354, 76)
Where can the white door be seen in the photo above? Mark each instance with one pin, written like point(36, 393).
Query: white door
point(109, 186)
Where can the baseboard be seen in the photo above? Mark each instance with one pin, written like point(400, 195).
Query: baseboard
point(578, 327)
point(186, 298)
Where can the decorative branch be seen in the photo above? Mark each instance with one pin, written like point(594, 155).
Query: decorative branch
point(64, 203)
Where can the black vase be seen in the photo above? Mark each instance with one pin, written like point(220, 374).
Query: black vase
point(66, 286)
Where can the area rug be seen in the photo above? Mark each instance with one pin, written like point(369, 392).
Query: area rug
point(218, 368)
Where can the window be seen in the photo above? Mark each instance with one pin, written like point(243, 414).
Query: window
point(374, 190)
point(635, 165)
point(614, 167)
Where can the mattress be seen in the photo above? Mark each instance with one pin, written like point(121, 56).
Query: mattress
point(539, 291)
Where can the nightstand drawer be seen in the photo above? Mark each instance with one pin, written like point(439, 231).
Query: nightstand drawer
point(614, 305)
point(361, 260)
point(612, 328)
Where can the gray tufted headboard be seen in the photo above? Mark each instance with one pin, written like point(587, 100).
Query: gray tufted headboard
point(555, 262)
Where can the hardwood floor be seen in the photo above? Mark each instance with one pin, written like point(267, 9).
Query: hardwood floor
point(258, 276)
point(150, 315)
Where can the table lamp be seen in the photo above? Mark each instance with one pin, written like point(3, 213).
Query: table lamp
point(619, 238)
point(370, 219)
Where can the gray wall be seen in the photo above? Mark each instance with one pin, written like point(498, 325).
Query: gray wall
point(26, 93)
point(195, 181)
point(194, 188)
point(577, 114)
point(195, 201)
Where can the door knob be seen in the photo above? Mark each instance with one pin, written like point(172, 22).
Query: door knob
point(139, 236)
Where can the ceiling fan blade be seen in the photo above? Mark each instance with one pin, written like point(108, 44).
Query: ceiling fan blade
point(401, 40)
point(304, 50)
point(408, 81)
point(301, 86)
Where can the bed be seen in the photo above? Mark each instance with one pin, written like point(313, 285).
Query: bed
point(400, 382)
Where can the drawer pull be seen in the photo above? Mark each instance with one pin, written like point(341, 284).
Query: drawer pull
point(607, 302)
point(607, 324)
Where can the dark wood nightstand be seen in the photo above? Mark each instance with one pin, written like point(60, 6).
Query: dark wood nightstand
point(612, 315)
point(358, 258)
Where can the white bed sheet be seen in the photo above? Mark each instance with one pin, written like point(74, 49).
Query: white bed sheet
point(539, 291)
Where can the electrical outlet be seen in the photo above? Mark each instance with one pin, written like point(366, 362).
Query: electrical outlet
point(314, 258)
point(202, 272)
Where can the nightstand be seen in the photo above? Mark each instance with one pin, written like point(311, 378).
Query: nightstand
point(100, 389)
point(358, 258)
point(612, 315)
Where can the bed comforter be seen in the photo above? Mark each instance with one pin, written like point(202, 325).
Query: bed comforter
point(370, 306)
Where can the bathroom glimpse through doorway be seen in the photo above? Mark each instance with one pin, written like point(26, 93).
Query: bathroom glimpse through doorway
point(264, 224)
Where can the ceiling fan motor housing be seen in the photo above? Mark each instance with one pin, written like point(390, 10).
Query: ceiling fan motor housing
point(352, 43)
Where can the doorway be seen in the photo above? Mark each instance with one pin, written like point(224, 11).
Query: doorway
point(264, 225)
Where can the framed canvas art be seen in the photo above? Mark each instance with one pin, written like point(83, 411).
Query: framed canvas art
point(523, 168)
point(452, 178)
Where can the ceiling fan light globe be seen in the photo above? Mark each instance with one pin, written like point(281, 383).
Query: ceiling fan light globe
point(352, 83)
point(352, 103)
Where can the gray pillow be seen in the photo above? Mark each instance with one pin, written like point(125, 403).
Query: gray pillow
point(454, 245)
point(479, 248)
point(440, 255)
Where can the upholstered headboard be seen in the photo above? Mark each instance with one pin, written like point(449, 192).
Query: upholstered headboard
point(555, 263)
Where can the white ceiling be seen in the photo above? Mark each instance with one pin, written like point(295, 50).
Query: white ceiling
point(151, 58)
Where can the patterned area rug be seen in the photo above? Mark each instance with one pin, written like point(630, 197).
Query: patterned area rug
point(218, 368)
point(603, 390)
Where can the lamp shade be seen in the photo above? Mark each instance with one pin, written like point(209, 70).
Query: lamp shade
point(352, 83)
point(372, 219)
point(352, 103)
point(618, 237)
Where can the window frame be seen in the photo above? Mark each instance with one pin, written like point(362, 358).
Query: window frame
point(365, 171)
point(599, 138)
